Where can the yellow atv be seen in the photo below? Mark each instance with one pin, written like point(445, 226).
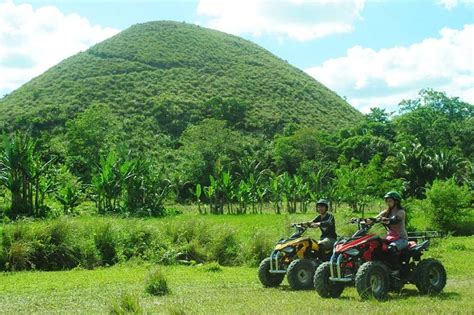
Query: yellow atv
point(297, 257)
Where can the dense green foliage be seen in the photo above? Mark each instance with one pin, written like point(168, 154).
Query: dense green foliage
point(223, 169)
point(448, 206)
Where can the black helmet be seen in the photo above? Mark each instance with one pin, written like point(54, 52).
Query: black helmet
point(323, 202)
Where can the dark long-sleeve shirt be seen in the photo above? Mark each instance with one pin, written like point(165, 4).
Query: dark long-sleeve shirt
point(327, 225)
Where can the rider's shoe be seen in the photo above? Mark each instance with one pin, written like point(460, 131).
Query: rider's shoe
point(395, 273)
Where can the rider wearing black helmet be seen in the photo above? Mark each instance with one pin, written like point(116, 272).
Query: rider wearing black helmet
point(326, 222)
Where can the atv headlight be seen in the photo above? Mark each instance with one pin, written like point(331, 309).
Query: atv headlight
point(289, 250)
point(352, 252)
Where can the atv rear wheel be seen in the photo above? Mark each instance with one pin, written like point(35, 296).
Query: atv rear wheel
point(300, 274)
point(373, 280)
point(323, 285)
point(430, 276)
point(266, 278)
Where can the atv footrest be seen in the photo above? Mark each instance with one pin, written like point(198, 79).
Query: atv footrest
point(341, 279)
point(277, 271)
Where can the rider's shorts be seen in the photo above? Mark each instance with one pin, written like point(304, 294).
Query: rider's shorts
point(327, 243)
point(400, 244)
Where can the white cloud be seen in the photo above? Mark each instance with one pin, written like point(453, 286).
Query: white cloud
point(380, 78)
point(297, 19)
point(33, 40)
point(451, 4)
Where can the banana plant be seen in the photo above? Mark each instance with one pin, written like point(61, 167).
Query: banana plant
point(228, 189)
point(69, 191)
point(261, 193)
point(275, 191)
point(23, 172)
point(243, 196)
point(197, 194)
point(289, 190)
point(106, 183)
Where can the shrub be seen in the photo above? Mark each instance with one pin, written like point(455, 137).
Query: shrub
point(19, 256)
point(156, 283)
point(212, 267)
point(54, 246)
point(448, 204)
point(3, 259)
point(126, 304)
point(192, 251)
point(168, 256)
point(184, 232)
point(89, 256)
point(259, 247)
point(107, 242)
point(225, 248)
point(138, 242)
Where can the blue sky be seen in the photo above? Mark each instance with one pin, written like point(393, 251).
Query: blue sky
point(375, 53)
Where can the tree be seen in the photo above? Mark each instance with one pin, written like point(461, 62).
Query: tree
point(364, 148)
point(69, 190)
point(204, 144)
point(358, 184)
point(305, 144)
point(92, 133)
point(434, 119)
point(452, 107)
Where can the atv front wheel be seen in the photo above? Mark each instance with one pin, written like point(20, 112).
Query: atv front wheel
point(430, 276)
point(323, 285)
point(373, 280)
point(300, 274)
point(266, 278)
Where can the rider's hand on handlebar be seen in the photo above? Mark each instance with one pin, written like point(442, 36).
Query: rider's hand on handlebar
point(314, 224)
point(384, 220)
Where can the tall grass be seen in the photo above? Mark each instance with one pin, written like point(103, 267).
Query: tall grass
point(68, 243)
point(156, 283)
point(90, 242)
point(127, 303)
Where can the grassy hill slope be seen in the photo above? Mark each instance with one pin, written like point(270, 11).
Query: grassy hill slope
point(157, 72)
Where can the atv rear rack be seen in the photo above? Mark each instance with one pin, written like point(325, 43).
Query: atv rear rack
point(424, 235)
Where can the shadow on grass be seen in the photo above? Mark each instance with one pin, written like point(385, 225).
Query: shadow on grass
point(407, 293)
point(287, 288)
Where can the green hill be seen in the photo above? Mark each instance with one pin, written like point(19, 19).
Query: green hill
point(161, 76)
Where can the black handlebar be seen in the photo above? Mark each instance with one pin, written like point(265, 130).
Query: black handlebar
point(300, 225)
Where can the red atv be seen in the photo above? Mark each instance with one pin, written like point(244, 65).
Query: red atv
point(364, 260)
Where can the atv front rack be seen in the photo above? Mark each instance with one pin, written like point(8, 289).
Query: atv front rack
point(335, 269)
point(424, 235)
point(274, 266)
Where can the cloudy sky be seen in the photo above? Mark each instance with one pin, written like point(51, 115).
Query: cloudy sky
point(374, 53)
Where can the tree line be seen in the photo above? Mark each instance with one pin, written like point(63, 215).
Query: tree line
point(225, 169)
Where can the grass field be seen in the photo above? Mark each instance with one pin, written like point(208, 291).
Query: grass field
point(232, 290)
